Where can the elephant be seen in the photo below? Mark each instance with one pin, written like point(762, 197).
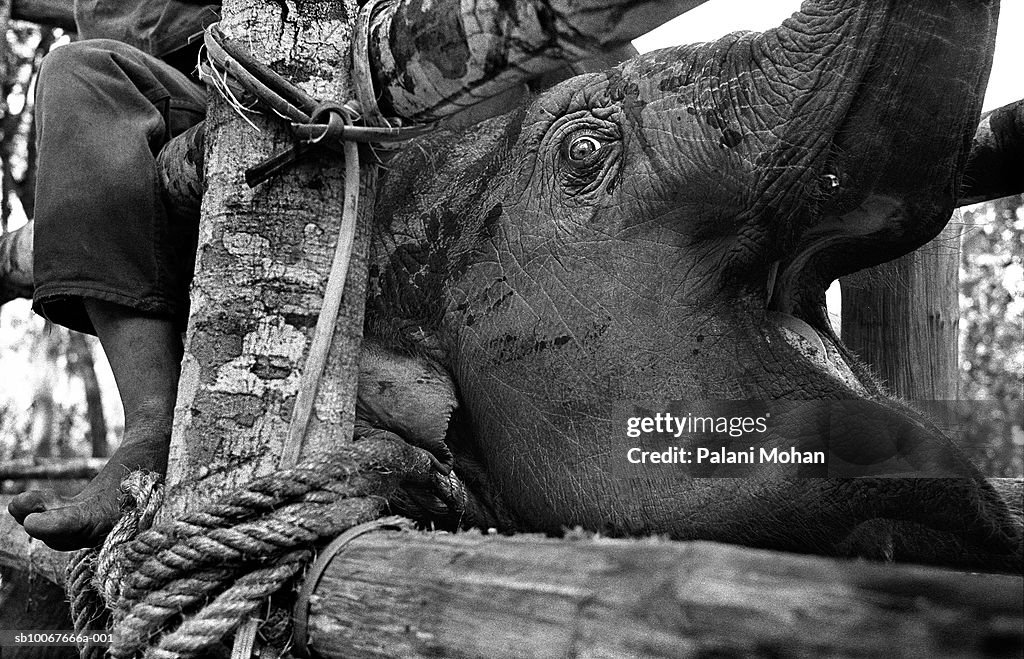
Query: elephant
point(656, 239)
point(554, 291)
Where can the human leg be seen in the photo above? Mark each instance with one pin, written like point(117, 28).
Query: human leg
point(109, 258)
point(145, 356)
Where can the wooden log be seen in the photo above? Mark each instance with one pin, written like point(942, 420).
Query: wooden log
point(431, 64)
point(20, 552)
point(468, 595)
point(411, 594)
point(52, 13)
point(420, 594)
point(54, 468)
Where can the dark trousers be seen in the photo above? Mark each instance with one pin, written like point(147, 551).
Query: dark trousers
point(102, 231)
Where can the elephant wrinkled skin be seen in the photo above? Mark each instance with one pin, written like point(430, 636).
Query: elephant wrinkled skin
point(664, 231)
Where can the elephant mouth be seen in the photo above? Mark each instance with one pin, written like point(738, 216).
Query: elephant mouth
point(834, 247)
point(796, 309)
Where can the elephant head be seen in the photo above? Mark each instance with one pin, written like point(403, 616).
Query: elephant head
point(662, 233)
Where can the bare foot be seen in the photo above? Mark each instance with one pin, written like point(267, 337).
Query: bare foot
point(84, 520)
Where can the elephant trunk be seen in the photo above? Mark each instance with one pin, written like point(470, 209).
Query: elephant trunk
point(863, 139)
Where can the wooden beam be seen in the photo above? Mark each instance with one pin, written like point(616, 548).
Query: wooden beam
point(52, 13)
point(996, 165)
point(431, 64)
point(425, 595)
point(432, 594)
point(56, 468)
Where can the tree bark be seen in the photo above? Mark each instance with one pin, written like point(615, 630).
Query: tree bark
point(902, 317)
point(261, 269)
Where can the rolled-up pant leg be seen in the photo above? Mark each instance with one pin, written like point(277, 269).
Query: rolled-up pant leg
point(103, 111)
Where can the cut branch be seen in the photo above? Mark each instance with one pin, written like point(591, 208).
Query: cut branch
point(996, 165)
point(53, 13)
point(64, 468)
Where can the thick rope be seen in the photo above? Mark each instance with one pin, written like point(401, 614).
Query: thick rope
point(229, 609)
point(189, 582)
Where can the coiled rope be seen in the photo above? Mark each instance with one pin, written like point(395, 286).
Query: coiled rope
point(176, 589)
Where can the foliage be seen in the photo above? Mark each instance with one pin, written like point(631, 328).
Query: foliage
point(992, 335)
point(49, 400)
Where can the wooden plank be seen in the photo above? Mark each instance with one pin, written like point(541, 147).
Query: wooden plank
point(467, 595)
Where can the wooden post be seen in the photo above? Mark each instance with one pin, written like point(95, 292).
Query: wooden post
point(262, 265)
point(901, 318)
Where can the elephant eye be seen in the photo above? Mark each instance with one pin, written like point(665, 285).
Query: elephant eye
point(582, 147)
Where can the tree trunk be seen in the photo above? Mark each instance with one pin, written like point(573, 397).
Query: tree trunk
point(5, 116)
point(261, 270)
point(901, 318)
point(82, 365)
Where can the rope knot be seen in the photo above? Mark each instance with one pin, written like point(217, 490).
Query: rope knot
point(235, 73)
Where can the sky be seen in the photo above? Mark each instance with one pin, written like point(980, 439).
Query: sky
point(718, 17)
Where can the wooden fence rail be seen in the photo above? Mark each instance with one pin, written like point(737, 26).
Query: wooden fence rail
point(413, 594)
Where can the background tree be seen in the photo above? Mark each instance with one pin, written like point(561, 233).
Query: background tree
point(51, 400)
point(992, 335)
